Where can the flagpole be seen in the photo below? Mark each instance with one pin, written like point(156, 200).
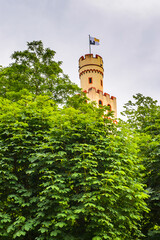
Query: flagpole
point(89, 46)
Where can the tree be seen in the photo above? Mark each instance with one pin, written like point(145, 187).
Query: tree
point(144, 116)
point(140, 112)
point(67, 173)
point(35, 70)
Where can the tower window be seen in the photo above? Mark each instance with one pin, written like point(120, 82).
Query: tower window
point(100, 102)
point(109, 107)
point(90, 80)
point(101, 82)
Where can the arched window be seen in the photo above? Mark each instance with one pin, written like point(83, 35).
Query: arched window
point(100, 102)
point(109, 107)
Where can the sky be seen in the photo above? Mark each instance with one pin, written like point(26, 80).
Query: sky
point(128, 30)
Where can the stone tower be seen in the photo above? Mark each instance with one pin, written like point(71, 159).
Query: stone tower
point(91, 76)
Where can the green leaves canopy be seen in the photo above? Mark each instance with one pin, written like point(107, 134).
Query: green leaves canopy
point(140, 112)
point(36, 71)
point(66, 174)
point(143, 115)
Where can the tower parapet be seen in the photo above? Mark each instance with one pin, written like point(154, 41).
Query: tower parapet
point(91, 74)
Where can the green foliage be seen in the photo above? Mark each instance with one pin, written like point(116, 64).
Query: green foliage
point(140, 112)
point(67, 173)
point(143, 115)
point(36, 71)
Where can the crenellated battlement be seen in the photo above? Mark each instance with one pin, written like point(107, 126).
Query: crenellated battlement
point(106, 95)
point(102, 98)
point(86, 56)
point(89, 59)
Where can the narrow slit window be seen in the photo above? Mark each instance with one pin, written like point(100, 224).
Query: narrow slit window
point(90, 80)
point(101, 83)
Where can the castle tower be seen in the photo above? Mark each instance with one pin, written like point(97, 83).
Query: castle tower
point(91, 76)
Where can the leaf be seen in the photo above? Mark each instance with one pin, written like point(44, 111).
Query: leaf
point(54, 233)
point(43, 230)
point(96, 238)
point(19, 233)
point(60, 224)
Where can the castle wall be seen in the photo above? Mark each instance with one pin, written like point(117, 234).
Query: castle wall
point(93, 95)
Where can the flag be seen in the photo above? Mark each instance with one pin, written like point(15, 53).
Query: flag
point(93, 41)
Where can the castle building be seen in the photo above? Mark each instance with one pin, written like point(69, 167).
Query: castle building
point(91, 74)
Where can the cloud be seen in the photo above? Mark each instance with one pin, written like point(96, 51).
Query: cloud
point(143, 8)
point(128, 31)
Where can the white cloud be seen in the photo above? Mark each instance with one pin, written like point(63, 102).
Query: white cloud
point(128, 31)
point(143, 8)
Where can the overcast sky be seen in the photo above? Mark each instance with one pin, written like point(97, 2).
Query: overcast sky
point(129, 33)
